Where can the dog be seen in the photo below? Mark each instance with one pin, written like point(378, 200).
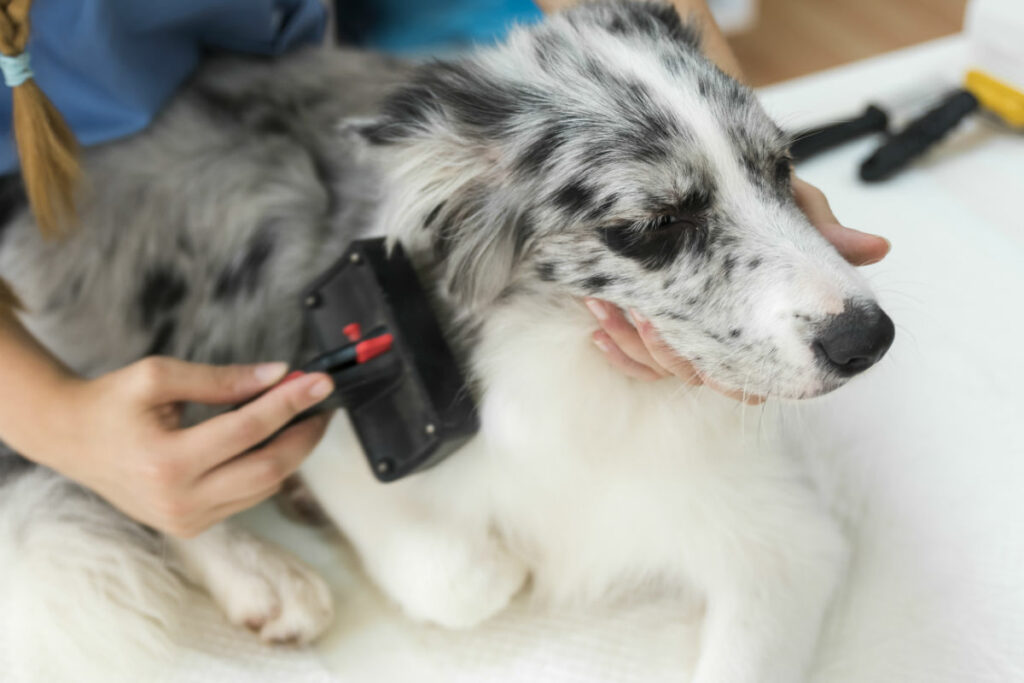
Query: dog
point(597, 153)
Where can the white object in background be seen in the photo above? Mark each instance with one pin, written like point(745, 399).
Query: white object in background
point(995, 34)
point(734, 16)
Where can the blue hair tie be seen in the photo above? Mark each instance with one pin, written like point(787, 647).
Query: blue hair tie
point(16, 69)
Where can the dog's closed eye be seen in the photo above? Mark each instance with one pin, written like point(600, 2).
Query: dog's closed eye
point(656, 243)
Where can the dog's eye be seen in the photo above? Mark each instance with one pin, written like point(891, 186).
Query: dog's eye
point(658, 243)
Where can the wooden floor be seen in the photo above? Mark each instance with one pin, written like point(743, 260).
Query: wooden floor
point(797, 37)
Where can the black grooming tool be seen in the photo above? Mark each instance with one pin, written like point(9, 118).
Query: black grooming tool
point(918, 137)
point(814, 141)
point(410, 406)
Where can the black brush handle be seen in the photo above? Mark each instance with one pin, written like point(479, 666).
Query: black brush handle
point(823, 138)
point(918, 137)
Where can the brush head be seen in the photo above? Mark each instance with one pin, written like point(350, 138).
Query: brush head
point(410, 407)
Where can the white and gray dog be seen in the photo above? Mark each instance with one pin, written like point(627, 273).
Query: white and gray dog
point(596, 154)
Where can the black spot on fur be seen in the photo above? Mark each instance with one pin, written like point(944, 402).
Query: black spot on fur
point(162, 290)
point(546, 272)
point(754, 263)
point(574, 197)
point(540, 151)
point(727, 266)
point(596, 283)
point(703, 86)
point(243, 276)
point(163, 338)
point(735, 332)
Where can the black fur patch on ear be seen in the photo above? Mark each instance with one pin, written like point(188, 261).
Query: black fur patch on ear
point(653, 19)
point(163, 289)
point(457, 93)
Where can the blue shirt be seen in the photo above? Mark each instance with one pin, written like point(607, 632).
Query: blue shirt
point(110, 65)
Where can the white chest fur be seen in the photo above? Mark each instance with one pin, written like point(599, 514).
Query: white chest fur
point(591, 482)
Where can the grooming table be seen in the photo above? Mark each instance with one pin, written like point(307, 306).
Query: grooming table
point(926, 453)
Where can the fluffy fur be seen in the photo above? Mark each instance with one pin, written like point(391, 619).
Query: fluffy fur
point(595, 154)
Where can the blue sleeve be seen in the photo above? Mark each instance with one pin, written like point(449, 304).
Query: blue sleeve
point(429, 26)
point(109, 65)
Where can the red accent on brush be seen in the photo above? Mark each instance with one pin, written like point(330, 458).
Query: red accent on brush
point(352, 332)
point(371, 348)
point(294, 374)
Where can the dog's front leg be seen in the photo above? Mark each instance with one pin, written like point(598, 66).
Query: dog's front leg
point(768, 587)
point(257, 584)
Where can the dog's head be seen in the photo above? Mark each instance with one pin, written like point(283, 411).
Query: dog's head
point(599, 154)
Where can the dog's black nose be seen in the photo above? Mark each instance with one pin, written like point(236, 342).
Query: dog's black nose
point(854, 340)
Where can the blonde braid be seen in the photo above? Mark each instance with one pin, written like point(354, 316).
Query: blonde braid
point(46, 146)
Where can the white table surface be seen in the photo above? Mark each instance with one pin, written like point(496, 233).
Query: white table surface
point(927, 451)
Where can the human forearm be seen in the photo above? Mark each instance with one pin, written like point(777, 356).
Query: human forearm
point(713, 43)
point(31, 382)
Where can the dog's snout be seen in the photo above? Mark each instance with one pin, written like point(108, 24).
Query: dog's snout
point(854, 340)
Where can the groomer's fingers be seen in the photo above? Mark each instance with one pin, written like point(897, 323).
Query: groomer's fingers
point(623, 335)
point(681, 367)
point(169, 380)
point(223, 437)
point(621, 361)
point(222, 512)
point(859, 248)
point(263, 469)
point(664, 356)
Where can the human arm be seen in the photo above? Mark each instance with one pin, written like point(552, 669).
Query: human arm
point(120, 434)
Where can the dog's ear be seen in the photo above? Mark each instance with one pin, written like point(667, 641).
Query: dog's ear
point(477, 244)
point(649, 19)
point(438, 145)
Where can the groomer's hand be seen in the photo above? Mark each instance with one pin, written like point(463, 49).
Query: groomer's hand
point(638, 351)
point(120, 435)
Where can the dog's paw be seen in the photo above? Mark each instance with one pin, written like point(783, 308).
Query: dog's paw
point(261, 587)
point(455, 585)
